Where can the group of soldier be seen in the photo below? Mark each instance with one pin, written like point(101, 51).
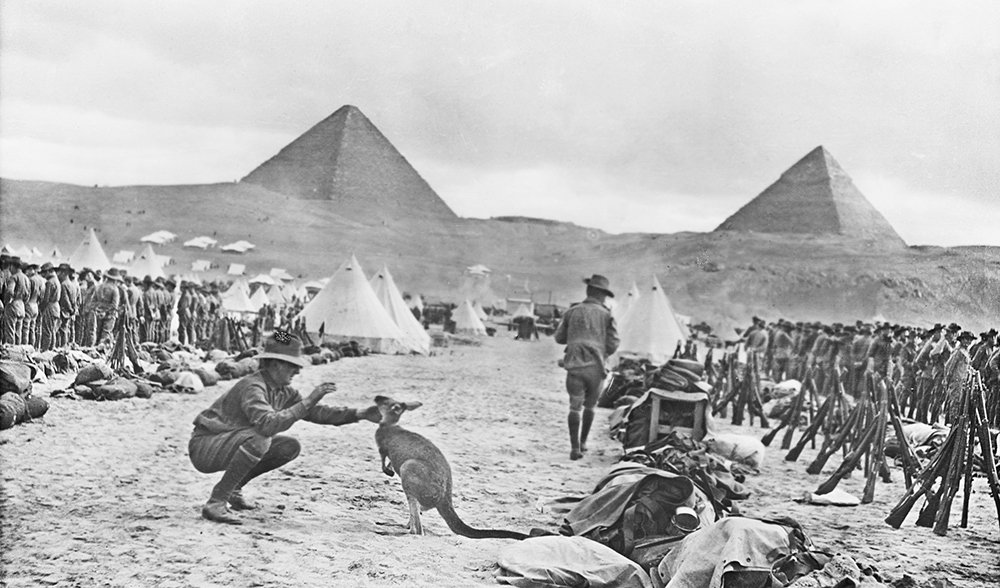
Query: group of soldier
point(49, 306)
point(927, 362)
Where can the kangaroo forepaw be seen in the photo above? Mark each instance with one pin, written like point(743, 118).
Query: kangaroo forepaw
point(388, 471)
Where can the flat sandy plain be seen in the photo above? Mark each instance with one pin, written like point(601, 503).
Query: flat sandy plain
point(103, 494)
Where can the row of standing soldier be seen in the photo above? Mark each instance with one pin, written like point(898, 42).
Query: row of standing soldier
point(924, 363)
point(51, 306)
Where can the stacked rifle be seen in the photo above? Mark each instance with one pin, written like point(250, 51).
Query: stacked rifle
point(953, 463)
point(806, 397)
point(863, 436)
point(742, 389)
point(857, 432)
point(125, 347)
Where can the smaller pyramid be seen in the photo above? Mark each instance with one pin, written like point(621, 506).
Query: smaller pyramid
point(90, 254)
point(814, 197)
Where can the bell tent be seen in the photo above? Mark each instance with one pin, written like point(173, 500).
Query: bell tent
point(523, 310)
point(276, 297)
point(90, 254)
point(388, 294)
point(347, 309)
point(621, 306)
point(467, 322)
point(480, 312)
point(259, 298)
point(147, 263)
point(650, 329)
point(263, 279)
point(235, 300)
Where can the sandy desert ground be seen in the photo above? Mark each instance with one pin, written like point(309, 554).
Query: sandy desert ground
point(103, 494)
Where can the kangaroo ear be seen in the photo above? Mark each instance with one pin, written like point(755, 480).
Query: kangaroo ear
point(412, 405)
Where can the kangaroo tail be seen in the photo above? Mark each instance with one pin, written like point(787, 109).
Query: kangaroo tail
point(460, 528)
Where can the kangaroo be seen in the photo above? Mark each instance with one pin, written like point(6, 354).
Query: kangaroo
point(423, 470)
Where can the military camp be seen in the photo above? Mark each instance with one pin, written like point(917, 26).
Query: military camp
point(538, 294)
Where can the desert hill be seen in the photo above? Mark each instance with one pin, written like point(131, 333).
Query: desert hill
point(831, 272)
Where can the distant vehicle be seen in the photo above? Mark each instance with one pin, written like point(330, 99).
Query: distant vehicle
point(548, 317)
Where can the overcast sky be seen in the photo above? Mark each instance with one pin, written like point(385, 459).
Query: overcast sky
point(625, 116)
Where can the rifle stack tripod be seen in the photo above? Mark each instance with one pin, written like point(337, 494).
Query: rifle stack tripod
point(742, 389)
point(861, 435)
point(953, 463)
point(858, 432)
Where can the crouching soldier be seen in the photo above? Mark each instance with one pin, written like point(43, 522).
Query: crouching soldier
point(239, 434)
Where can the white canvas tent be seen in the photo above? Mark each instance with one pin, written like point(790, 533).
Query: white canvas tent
point(90, 254)
point(650, 329)
point(347, 309)
point(416, 302)
point(476, 306)
point(289, 291)
point(123, 257)
point(147, 263)
point(314, 286)
point(238, 247)
point(242, 284)
point(259, 298)
point(200, 265)
point(35, 255)
point(467, 322)
point(200, 242)
point(388, 294)
point(263, 279)
point(523, 310)
point(622, 304)
point(279, 273)
point(236, 269)
point(235, 300)
point(276, 297)
point(159, 237)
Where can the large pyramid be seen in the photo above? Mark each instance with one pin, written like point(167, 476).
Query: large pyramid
point(346, 159)
point(814, 197)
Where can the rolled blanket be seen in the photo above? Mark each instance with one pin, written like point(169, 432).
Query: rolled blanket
point(15, 376)
point(688, 365)
point(116, 390)
point(688, 375)
point(36, 406)
point(93, 372)
point(207, 378)
point(667, 379)
point(13, 410)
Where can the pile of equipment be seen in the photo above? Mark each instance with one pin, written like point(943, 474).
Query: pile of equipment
point(17, 403)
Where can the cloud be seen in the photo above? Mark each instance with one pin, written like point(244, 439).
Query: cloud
point(652, 102)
